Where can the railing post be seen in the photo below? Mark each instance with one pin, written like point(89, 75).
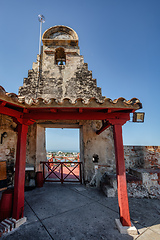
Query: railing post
point(43, 173)
point(61, 172)
point(80, 165)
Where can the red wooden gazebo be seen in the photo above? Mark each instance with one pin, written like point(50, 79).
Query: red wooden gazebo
point(112, 113)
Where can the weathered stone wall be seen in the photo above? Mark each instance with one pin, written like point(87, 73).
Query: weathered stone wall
point(40, 147)
point(31, 145)
point(8, 146)
point(102, 145)
point(30, 85)
point(143, 173)
point(142, 156)
point(36, 148)
point(71, 81)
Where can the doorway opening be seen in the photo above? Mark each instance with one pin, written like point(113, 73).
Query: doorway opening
point(63, 155)
point(62, 139)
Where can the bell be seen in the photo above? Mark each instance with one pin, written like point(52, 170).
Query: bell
point(61, 62)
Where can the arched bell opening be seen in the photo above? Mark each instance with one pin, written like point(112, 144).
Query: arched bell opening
point(60, 57)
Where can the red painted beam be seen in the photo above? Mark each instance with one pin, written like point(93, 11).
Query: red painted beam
point(10, 112)
point(25, 121)
point(3, 103)
point(121, 177)
point(66, 116)
point(88, 115)
point(19, 181)
point(114, 118)
point(80, 110)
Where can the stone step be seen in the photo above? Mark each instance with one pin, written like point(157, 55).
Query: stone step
point(109, 191)
point(110, 180)
point(109, 184)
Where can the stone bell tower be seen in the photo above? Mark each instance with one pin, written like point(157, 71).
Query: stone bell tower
point(60, 71)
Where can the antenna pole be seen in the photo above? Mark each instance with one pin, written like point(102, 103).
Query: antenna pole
point(41, 19)
point(40, 38)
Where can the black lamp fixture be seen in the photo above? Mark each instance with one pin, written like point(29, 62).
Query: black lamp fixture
point(3, 135)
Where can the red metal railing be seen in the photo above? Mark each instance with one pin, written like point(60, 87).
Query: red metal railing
point(62, 171)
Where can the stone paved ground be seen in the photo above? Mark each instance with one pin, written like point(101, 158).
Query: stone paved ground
point(72, 211)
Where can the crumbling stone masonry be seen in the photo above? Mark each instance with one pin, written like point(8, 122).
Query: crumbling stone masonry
point(8, 145)
point(61, 73)
point(143, 173)
point(142, 157)
point(71, 80)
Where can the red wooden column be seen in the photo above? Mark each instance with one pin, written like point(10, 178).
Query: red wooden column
point(18, 202)
point(121, 176)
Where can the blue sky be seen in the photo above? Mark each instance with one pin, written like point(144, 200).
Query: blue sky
point(119, 39)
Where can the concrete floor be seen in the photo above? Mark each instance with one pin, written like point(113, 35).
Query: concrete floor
point(73, 211)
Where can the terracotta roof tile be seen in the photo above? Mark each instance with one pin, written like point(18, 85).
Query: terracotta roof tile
point(121, 102)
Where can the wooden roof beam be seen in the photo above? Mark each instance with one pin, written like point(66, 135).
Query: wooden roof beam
point(10, 112)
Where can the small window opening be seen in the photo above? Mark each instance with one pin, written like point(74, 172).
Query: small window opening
point(60, 57)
